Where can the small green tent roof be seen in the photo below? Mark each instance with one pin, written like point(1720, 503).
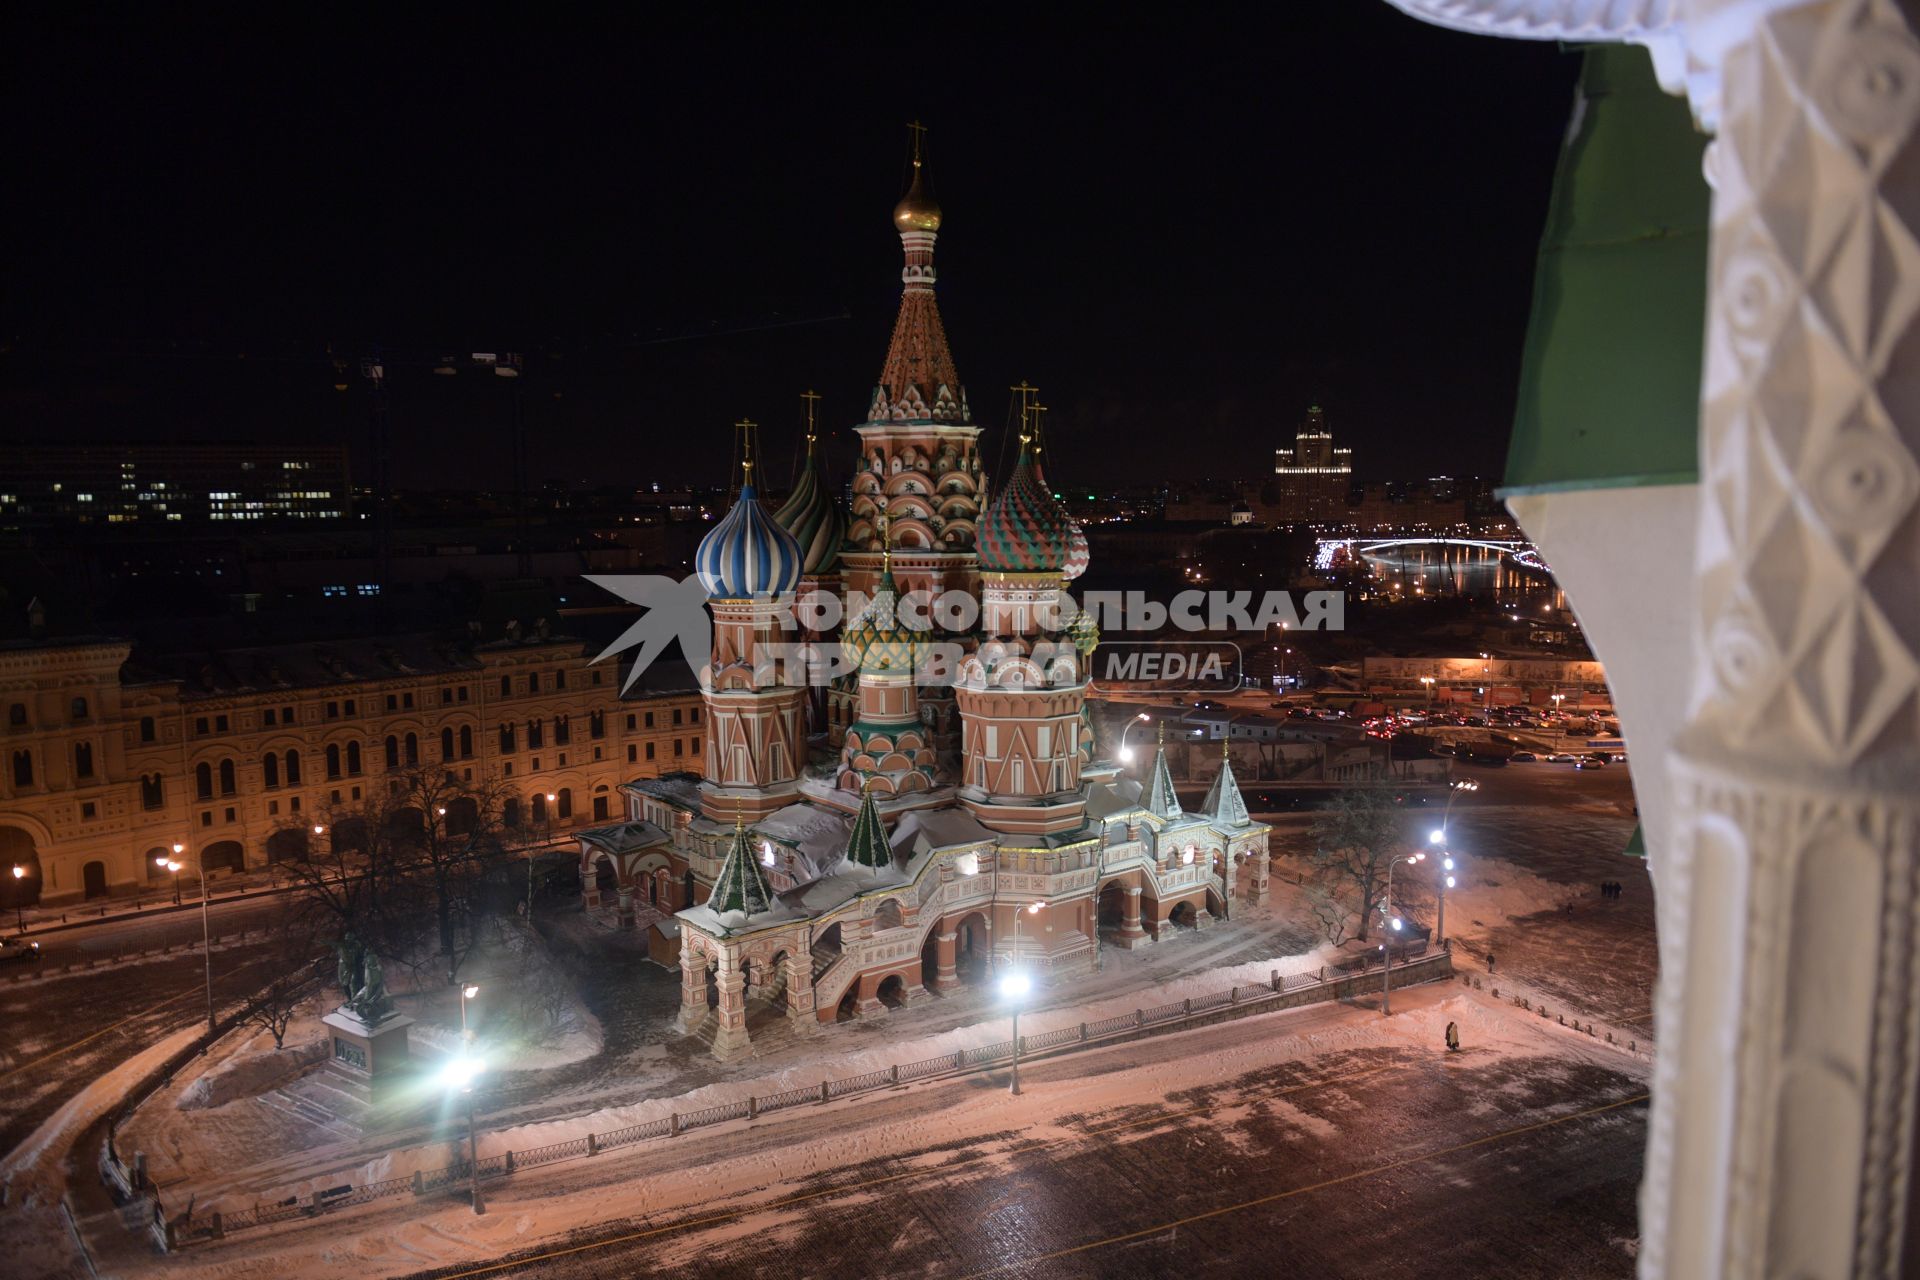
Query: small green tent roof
point(1610, 378)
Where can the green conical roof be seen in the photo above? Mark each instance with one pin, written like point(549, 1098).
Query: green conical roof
point(867, 844)
point(1160, 797)
point(1225, 807)
point(741, 885)
point(1610, 376)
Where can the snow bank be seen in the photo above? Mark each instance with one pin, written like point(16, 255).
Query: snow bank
point(1492, 891)
point(526, 999)
point(257, 1069)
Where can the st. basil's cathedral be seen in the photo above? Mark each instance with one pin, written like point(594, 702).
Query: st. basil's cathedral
point(876, 839)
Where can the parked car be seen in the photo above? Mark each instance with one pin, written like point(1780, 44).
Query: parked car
point(1561, 757)
point(1523, 757)
point(1592, 760)
point(13, 949)
point(1208, 704)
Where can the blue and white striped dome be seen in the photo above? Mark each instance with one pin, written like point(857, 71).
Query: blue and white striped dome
point(748, 554)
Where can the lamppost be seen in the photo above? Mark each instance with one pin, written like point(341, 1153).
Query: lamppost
point(467, 992)
point(1558, 698)
point(172, 867)
point(460, 1074)
point(1486, 676)
point(1013, 957)
point(19, 912)
point(1014, 986)
point(546, 829)
point(1126, 752)
point(1428, 681)
point(1393, 921)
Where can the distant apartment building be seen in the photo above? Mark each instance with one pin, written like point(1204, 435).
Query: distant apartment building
point(1410, 507)
point(59, 485)
point(111, 758)
point(1311, 480)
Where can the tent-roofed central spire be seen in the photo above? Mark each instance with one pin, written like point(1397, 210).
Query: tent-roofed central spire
point(919, 381)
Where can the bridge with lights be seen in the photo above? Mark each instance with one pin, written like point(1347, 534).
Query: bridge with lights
point(1329, 550)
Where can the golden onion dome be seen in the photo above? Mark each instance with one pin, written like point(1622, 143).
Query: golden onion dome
point(917, 210)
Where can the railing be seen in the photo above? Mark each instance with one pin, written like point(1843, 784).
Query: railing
point(1238, 1001)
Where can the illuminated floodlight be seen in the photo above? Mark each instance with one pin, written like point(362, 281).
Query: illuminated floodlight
point(1447, 862)
point(1396, 922)
point(1436, 836)
point(461, 1072)
point(1126, 755)
point(1016, 985)
point(471, 990)
point(1449, 882)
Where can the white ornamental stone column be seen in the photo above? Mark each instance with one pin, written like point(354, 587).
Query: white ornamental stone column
point(1787, 883)
point(1781, 1138)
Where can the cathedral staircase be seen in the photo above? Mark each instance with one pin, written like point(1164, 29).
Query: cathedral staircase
point(824, 956)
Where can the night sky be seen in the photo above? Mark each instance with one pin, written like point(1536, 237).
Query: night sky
point(1183, 233)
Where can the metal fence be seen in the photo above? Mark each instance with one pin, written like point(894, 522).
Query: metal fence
point(1237, 1001)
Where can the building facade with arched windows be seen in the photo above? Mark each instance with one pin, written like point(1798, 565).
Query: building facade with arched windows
point(115, 756)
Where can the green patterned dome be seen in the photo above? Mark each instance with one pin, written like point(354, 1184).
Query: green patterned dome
point(1084, 632)
point(1025, 530)
point(814, 519)
point(877, 639)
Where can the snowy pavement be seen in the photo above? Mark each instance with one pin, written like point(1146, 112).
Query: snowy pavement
point(248, 1148)
point(1134, 1155)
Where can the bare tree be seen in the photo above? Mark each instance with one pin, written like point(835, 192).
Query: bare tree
point(1330, 911)
point(295, 956)
point(1354, 839)
point(351, 874)
point(456, 829)
point(405, 868)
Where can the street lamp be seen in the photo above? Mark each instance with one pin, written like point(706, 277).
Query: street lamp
point(1558, 698)
point(467, 992)
point(460, 1074)
point(1428, 681)
point(1486, 674)
point(172, 867)
point(1126, 752)
point(1014, 988)
point(19, 913)
point(1386, 976)
point(1033, 910)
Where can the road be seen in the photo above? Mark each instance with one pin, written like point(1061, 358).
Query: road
point(58, 1033)
point(1515, 1158)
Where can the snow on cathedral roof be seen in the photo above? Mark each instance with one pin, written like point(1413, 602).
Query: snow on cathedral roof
point(1224, 805)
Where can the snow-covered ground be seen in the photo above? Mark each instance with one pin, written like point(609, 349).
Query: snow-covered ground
point(35, 1172)
point(230, 1185)
point(742, 1164)
point(223, 1113)
point(233, 1155)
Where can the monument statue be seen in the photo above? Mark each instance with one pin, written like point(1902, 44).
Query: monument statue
point(361, 981)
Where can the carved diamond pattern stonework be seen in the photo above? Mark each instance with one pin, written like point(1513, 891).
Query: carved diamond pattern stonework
point(1804, 479)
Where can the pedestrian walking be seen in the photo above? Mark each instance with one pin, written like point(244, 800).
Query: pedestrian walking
point(1453, 1037)
point(1489, 962)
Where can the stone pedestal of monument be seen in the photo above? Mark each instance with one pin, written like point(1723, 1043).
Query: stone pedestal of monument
point(366, 1056)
